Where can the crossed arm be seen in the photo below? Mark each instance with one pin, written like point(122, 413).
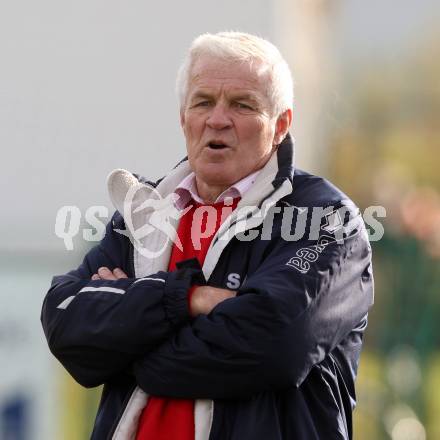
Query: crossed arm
point(267, 336)
point(202, 300)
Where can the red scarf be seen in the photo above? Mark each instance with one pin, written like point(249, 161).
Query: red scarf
point(166, 418)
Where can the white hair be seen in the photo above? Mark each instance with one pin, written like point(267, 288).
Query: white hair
point(241, 47)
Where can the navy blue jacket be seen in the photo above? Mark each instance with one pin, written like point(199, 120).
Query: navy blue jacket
point(276, 362)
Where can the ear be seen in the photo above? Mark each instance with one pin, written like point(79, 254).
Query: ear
point(182, 118)
point(282, 126)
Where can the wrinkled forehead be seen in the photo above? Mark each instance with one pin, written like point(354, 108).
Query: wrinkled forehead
point(251, 75)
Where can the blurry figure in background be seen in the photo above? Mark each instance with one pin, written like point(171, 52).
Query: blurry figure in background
point(420, 212)
point(228, 327)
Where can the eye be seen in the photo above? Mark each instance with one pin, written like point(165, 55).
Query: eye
point(243, 105)
point(202, 104)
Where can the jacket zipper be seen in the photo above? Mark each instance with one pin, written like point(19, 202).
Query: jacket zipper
point(131, 259)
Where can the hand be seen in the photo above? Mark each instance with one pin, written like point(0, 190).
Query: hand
point(205, 298)
point(104, 273)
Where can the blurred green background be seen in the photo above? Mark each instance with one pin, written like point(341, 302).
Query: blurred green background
point(390, 157)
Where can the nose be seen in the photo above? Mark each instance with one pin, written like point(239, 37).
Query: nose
point(219, 118)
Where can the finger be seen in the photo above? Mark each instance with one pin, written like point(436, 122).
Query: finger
point(95, 276)
point(106, 274)
point(119, 273)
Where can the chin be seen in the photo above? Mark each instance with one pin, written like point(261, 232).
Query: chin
point(214, 171)
point(216, 176)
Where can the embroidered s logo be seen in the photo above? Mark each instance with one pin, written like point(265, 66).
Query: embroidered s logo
point(233, 281)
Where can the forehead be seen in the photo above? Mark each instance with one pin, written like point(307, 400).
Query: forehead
point(211, 74)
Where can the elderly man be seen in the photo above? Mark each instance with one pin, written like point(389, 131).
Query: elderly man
point(219, 305)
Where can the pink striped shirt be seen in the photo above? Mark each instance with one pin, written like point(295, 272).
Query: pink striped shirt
point(187, 190)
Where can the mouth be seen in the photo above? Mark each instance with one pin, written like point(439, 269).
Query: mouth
point(217, 145)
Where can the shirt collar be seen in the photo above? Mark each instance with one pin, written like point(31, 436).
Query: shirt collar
point(187, 190)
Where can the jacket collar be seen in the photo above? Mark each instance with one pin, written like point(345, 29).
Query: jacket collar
point(151, 218)
point(279, 168)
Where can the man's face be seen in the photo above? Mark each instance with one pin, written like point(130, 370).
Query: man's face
point(227, 121)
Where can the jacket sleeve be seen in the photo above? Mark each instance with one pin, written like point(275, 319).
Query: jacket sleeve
point(97, 328)
point(301, 302)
